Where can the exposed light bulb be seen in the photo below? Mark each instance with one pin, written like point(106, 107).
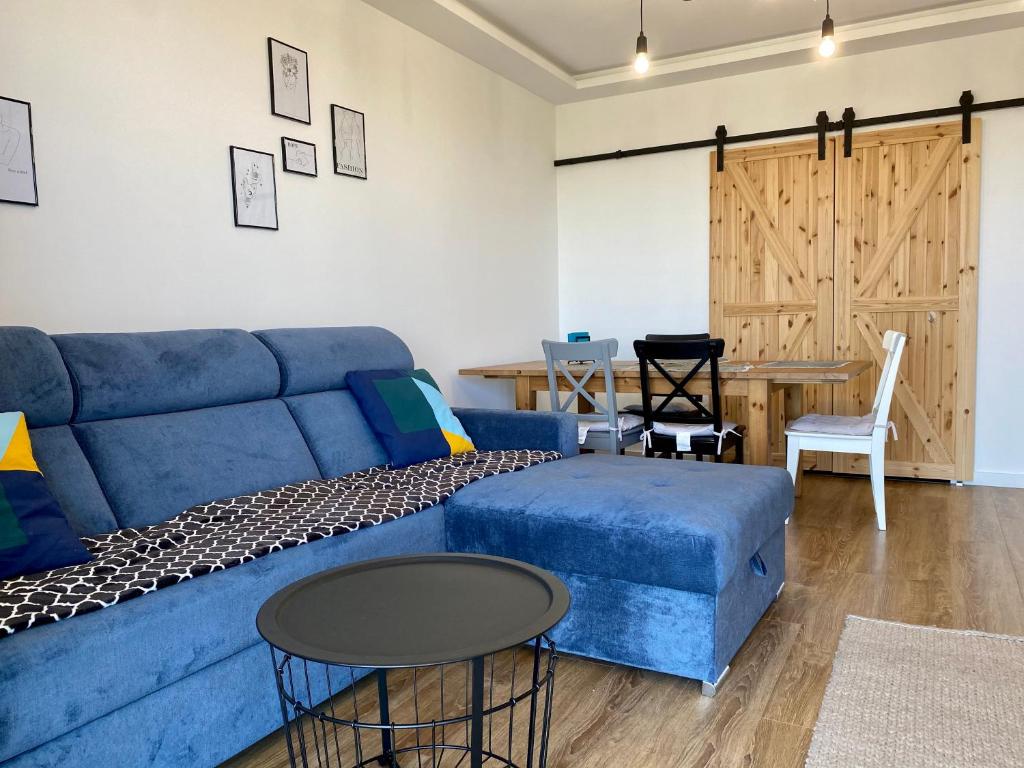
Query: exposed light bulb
point(828, 35)
point(641, 63)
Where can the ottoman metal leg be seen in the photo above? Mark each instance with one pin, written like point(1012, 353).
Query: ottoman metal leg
point(710, 689)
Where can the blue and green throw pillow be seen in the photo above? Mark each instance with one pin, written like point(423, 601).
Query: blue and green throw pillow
point(34, 533)
point(409, 415)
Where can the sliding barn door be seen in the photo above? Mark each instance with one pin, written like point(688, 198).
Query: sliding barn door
point(771, 263)
point(906, 259)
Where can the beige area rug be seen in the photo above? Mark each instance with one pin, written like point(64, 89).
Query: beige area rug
point(905, 696)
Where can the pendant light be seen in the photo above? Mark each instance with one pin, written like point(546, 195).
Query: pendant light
point(827, 46)
point(641, 63)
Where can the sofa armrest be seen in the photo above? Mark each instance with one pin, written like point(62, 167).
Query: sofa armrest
point(495, 430)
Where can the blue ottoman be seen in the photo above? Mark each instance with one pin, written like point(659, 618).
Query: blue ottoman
point(670, 563)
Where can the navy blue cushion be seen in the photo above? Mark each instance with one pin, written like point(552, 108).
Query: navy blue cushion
point(34, 534)
point(117, 375)
point(72, 480)
point(155, 467)
point(317, 359)
point(681, 524)
point(33, 378)
point(336, 432)
point(408, 415)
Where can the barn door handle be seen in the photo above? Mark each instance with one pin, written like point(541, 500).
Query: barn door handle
point(931, 316)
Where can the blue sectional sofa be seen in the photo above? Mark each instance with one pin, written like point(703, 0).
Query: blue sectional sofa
point(670, 564)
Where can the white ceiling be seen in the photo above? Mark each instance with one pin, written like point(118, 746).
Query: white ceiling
point(571, 50)
point(584, 36)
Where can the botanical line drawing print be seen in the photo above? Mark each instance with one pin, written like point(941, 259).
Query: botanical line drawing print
point(10, 139)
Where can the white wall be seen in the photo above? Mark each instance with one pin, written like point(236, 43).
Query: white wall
point(134, 105)
point(633, 234)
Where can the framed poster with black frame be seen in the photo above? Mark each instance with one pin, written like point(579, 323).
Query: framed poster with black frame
point(289, 81)
point(253, 188)
point(298, 156)
point(348, 129)
point(17, 153)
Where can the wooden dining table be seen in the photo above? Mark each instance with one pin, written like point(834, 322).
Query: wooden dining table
point(755, 382)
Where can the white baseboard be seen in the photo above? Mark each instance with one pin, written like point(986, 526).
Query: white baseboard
point(999, 479)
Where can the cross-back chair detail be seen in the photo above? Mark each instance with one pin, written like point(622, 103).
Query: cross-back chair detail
point(597, 356)
point(697, 353)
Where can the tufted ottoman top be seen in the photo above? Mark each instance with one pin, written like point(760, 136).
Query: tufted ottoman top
point(680, 524)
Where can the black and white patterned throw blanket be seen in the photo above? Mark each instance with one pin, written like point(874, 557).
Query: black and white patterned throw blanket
point(215, 536)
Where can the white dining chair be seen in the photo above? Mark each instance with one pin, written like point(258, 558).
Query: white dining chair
point(854, 434)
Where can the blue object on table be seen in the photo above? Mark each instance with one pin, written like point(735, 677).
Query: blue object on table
point(578, 336)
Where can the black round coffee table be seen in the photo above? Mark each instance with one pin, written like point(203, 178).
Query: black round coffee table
point(443, 634)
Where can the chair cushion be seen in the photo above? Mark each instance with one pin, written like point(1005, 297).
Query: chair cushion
point(833, 425)
point(34, 534)
point(679, 524)
point(409, 415)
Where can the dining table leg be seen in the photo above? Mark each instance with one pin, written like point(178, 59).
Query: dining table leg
point(793, 402)
point(758, 450)
point(526, 395)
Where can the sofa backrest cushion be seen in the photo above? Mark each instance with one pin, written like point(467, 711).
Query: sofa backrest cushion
point(317, 359)
point(155, 467)
point(33, 378)
point(72, 481)
point(120, 375)
point(337, 432)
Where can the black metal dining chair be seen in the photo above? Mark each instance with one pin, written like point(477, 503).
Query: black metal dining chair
point(719, 436)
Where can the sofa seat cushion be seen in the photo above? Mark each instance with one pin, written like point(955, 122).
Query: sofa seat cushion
point(57, 677)
point(681, 524)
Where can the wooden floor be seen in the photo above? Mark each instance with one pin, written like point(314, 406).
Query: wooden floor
point(952, 557)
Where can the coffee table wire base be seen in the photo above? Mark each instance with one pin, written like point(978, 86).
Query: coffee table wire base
point(465, 713)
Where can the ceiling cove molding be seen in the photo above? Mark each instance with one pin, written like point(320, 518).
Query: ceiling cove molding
point(455, 25)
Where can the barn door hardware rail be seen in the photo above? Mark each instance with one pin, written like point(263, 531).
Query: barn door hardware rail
point(965, 109)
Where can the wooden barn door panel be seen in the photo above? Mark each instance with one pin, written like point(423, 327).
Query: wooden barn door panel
point(771, 264)
point(906, 259)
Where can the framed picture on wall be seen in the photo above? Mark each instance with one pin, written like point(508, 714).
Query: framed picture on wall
point(298, 156)
point(289, 81)
point(253, 188)
point(348, 127)
point(17, 154)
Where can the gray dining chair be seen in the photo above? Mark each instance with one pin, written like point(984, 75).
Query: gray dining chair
point(603, 425)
